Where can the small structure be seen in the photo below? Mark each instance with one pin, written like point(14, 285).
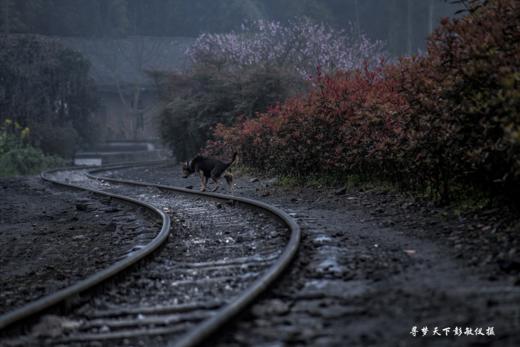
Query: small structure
point(113, 152)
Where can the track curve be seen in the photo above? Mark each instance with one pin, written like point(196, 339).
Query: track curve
point(198, 335)
point(204, 329)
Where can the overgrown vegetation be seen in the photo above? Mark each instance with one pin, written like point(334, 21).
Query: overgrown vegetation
point(239, 74)
point(444, 122)
point(17, 157)
point(46, 87)
point(298, 46)
point(203, 98)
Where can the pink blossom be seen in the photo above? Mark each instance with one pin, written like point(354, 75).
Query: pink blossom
point(301, 45)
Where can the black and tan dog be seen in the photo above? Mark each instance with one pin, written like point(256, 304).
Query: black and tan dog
point(209, 168)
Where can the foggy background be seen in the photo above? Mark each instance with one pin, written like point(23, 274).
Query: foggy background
point(402, 24)
point(78, 73)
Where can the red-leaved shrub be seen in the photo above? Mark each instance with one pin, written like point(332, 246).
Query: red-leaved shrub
point(463, 127)
point(348, 122)
point(445, 120)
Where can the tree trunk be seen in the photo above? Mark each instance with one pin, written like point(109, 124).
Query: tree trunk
point(138, 112)
point(431, 16)
point(358, 24)
point(394, 35)
point(409, 28)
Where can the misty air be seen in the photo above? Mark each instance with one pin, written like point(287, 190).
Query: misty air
point(259, 173)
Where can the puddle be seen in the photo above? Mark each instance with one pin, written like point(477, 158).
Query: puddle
point(330, 266)
point(334, 287)
point(322, 239)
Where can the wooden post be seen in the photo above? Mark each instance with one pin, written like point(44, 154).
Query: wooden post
point(431, 16)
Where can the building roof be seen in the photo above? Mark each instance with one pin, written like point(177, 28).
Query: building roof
point(126, 60)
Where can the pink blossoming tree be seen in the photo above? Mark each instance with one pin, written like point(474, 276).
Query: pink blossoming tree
point(301, 45)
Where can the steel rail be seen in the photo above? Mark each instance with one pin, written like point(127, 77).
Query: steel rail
point(204, 330)
point(95, 279)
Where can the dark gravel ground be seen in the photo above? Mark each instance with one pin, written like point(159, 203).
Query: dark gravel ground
point(52, 237)
point(215, 251)
point(374, 264)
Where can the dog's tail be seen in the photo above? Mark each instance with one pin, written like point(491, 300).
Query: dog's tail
point(233, 159)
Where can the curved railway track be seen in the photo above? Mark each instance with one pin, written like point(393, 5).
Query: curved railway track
point(221, 253)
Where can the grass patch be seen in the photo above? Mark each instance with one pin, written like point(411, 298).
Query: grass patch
point(242, 170)
point(350, 182)
point(289, 182)
point(468, 199)
point(463, 200)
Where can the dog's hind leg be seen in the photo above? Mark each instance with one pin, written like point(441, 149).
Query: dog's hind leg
point(229, 180)
point(217, 183)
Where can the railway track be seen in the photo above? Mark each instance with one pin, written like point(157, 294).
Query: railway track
point(219, 255)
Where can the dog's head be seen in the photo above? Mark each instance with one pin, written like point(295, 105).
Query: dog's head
point(187, 169)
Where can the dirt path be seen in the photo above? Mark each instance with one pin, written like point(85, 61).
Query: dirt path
point(373, 266)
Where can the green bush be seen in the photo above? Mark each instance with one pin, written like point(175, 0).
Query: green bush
point(59, 140)
point(26, 161)
point(17, 157)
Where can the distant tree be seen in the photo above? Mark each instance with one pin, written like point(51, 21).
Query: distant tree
point(113, 17)
point(19, 16)
point(46, 87)
point(357, 21)
point(301, 45)
point(84, 17)
point(139, 54)
point(409, 27)
point(431, 11)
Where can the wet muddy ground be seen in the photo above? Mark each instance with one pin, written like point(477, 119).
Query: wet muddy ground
point(374, 265)
point(52, 237)
point(214, 252)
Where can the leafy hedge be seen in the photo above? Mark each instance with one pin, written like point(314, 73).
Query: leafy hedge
point(348, 122)
point(447, 119)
